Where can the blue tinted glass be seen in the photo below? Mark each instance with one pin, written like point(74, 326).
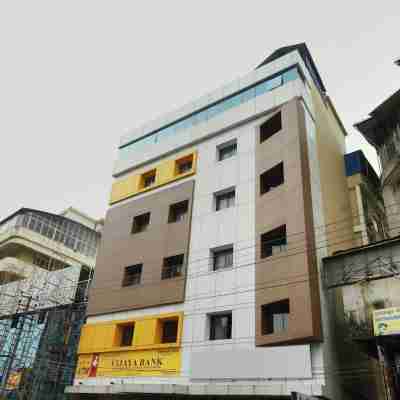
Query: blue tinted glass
point(180, 125)
point(262, 88)
point(202, 116)
point(167, 132)
point(274, 83)
point(268, 85)
point(235, 100)
point(229, 103)
point(221, 107)
point(213, 111)
point(161, 135)
point(146, 141)
point(187, 123)
point(290, 75)
point(199, 117)
point(247, 95)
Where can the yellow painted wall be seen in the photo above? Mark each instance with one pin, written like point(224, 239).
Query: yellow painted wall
point(102, 337)
point(166, 172)
point(147, 356)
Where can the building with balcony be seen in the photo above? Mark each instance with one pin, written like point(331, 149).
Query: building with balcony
point(382, 130)
point(363, 290)
point(207, 280)
point(46, 265)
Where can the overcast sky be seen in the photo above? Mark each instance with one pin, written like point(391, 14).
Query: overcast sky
point(75, 75)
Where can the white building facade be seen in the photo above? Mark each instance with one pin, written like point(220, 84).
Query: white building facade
point(213, 243)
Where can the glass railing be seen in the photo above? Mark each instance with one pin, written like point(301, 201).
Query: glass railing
point(208, 113)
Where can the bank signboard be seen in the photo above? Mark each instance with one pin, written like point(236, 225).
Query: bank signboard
point(387, 321)
point(129, 363)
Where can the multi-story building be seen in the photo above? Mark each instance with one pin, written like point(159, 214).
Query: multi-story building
point(46, 264)
point(207, 280)
point(363, 288)
point(368, 210)
point(382, 130)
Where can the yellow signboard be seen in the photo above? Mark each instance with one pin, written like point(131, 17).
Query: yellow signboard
point(129, 363)
point(387, 321)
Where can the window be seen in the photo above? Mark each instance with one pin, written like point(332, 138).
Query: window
point(162, 134)
point(272, 178)
point(127, 332)
point(41, 260)
point(140, 223)
point(184, 165)
point(132, 275)
point(227, 150)
point(221, 326)
point(14, 321)
point(169, 330)
point(42, 317)
point(225, 199)
point(275, 317)
point(172, 267)
point(273, 242)
point(178, 211)
point(148, 179)
point(270, 127)
point(222, 258)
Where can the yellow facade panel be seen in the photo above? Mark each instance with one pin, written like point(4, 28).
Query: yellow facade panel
point(96, 338)
point(101, 355)
point(145, 331)
point(165, 172)
point(121, 188)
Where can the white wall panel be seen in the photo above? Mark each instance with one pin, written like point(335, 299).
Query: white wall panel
point(273, 363)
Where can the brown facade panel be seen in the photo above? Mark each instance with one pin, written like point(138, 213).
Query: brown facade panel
point(286, 272)
point(120, 248)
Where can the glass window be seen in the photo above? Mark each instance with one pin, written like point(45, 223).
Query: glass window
point(273, 242)
point(221, 326)
point(227, 150)
point(211, 112)
point(41, 317)
point(272, 178)
point(148, 179)
point(140, 222)
point(184, 165)
point(180, 125)
point(247, 95)
point(222, 258)
point(199, 117)
point(270, 127)
point(169, 330)
point(178, 211)
point(275, 317)
point(232, 102)
point(166, 133)
point(132, 275)
point(290, 75)
point(225, 200)
point(127, 333)
point(267, 86)
point(262, 88)
point(172, 267)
